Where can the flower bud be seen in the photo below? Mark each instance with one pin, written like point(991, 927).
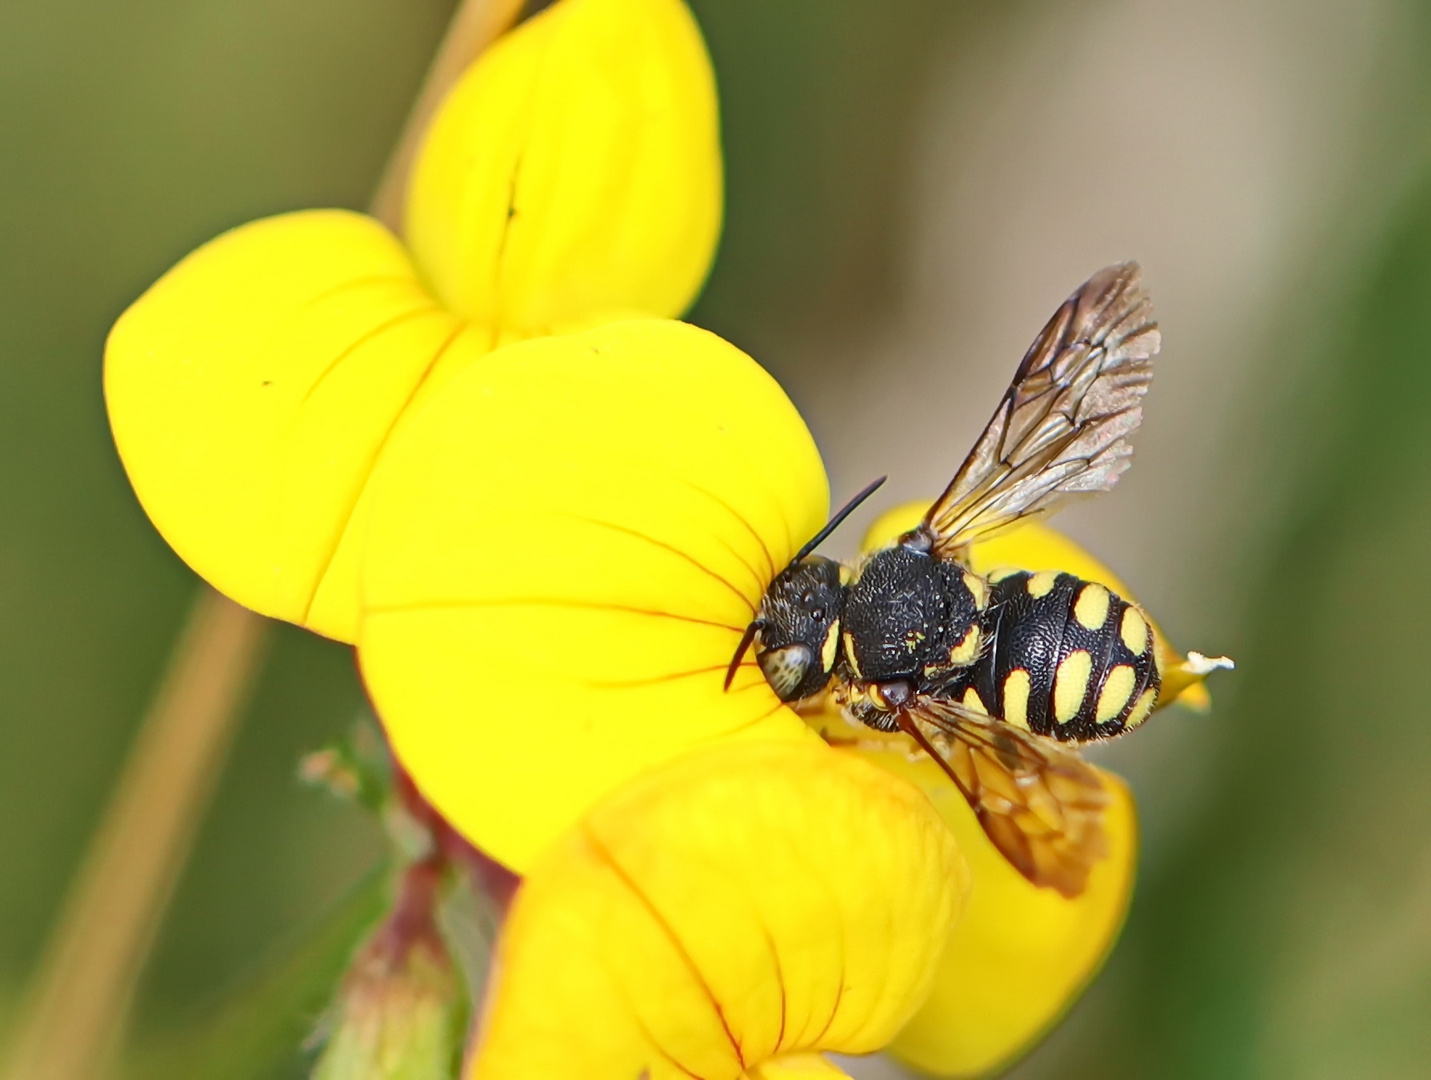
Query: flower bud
point(400, 1010)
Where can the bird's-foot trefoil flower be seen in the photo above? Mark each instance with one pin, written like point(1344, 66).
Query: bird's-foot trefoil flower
point(561, 560)
point(545, 512)
point(573, 176)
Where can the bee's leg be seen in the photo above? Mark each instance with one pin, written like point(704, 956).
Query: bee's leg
point(910, 727)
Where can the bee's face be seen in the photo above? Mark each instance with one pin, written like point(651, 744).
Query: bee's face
point(800, 628)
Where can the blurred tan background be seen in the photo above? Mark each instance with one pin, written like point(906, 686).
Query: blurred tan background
point(913, 188)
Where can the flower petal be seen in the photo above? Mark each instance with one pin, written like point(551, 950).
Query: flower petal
point(1034, 546)
point(574, 174)
point(748, 903)
point(1020, 955)
point(251, 388)
point(797, 1067)
point(565, 548)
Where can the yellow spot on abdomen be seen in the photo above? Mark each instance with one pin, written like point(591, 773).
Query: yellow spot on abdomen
point(1002, 572)
point(1142, 709)
point(979, 588)
point(967, 651)
point(850, 654)
point(1016, 698)
point(972, 700)
point(1117, 689)
point(1070, 684)
point(1091, 608)
point(1134, 630)
point(1041, 584)
point(832, 642)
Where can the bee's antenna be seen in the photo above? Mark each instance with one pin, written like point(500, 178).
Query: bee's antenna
point(745, 640)
point(834, 523)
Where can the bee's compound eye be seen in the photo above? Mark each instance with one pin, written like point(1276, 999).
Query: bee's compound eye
point(785, 669)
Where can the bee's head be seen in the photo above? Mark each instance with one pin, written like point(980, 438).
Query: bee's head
point(797, 628)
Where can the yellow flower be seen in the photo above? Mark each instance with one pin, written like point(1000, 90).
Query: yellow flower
point(546, 513)
point(728, 915)
point(562, 557)
point(572, 176)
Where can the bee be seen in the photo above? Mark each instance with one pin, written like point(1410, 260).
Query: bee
point(999, 679)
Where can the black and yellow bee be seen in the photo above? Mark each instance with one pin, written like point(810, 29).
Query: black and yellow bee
point(999, 679)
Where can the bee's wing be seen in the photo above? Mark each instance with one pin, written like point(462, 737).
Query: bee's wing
point(1038, 801)
point(1063, 426)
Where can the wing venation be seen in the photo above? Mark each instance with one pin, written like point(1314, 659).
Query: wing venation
point(1037, 800)
point(1062, 427)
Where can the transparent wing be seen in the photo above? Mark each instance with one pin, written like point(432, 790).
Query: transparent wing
point(1039, 802)
point(1063, 426)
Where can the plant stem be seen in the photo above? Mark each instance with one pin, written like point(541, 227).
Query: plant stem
point(87, 975)
point(85, 981)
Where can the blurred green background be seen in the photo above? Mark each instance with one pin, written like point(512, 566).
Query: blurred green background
point(913, 187)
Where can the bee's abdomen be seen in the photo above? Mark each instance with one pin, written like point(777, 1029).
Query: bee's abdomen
point(1067, 658)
